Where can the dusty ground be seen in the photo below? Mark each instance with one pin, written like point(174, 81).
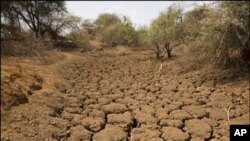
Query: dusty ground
point(126, 95)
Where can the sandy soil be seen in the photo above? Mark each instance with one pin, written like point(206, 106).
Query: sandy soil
point(117, 95)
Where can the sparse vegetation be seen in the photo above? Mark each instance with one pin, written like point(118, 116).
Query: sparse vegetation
point(220, 29)
point(182, 77)
point(27, 46)
point(166, 30)
point(219, 33)
point(230, 45)
point(80, 38)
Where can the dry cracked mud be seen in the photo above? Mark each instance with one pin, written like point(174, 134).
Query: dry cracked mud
point(128, 98)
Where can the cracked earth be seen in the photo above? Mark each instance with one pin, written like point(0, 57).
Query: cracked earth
point(127, 97)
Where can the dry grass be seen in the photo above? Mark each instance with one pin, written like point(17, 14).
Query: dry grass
point(117, 51)
point(30, 46)
point(196, 58)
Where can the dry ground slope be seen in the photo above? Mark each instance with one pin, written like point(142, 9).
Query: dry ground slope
point(103, 96)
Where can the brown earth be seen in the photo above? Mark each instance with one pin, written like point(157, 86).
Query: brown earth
point(116, 95)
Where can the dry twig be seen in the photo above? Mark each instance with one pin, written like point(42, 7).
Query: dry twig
point(228, 114)
point(160, 68)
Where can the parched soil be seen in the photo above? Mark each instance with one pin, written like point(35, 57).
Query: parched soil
point(101, 96)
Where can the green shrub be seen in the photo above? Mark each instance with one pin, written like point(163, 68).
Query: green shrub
point(143, 36)
point(119, 34)
point(167, 30)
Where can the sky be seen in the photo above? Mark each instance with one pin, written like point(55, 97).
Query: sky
point(140, 12)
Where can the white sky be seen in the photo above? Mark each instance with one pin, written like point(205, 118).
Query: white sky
point(139, 12)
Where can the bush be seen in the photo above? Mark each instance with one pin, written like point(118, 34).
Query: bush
point(28, 46)
point(119, 34)
point(221, 32)
point(89, 27)
point(80, 39)
point(226, 34)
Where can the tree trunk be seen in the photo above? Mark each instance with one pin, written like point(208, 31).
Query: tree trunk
point(245, 54)
point(37, 34)
point(167, 47)
point(157, 51)
point(169, 53)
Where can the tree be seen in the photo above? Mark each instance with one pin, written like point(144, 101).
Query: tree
point(155, 37)
point(226, 34)
point(59, 23)
point(105, 20)
point(193, 23)
point(166, 29)
point(237, 13)
point(10, 24)
point(89, 27)
point(222, 31)
point(143, 35)
point(36, 13)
